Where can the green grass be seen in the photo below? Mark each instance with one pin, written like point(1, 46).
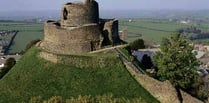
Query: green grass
point(92, 74)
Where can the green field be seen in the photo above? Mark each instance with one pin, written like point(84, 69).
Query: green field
point(27, 32)
point(155, 29)
point(96, 74)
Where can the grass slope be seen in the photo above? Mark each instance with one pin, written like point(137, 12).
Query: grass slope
point(32, 76)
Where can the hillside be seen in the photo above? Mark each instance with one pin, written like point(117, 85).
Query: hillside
point(92, 74)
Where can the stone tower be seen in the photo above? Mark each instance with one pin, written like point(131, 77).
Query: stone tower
point(80, 14)
point(78, 32)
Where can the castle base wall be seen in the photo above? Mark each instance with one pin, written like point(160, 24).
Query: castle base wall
point(71, 40)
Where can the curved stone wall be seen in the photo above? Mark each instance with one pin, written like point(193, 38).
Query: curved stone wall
point(77, 14)
point(71, 40)
point(79, 30)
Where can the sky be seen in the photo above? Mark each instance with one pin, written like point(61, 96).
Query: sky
point(37, 5)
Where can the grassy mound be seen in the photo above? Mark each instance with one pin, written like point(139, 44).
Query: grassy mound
point(96, 74)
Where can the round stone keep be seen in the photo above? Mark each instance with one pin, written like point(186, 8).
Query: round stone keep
point(78, 14)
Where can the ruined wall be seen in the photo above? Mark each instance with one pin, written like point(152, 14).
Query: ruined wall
point(70, 40)
point(49, 57)
point(77, 14)
point(123, 35)
point(110, 32)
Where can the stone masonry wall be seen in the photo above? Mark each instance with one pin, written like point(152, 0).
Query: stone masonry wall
point(123, 35)
point(77, 14)
point(79, 30)
point(70, 40)
point(110, 32)
point(163, 91)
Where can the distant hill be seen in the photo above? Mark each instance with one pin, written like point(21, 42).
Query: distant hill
point(92, 74)
point(161, 14)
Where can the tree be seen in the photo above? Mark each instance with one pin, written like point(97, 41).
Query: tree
point(164, 41)
point(147, 62)
point(10, 62)
point(177, 63)
point(137, 44)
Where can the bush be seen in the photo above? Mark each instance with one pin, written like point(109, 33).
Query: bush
point(147, 62)
point(10, 62)
point(177, 63)
point(203, 90)
point(137, 44)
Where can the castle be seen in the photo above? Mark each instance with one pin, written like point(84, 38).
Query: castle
point(80, 30)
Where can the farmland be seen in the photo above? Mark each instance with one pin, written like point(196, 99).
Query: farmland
point(27, 32)
point(155, 29)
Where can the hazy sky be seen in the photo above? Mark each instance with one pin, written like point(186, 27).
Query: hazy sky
point(31, 5)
